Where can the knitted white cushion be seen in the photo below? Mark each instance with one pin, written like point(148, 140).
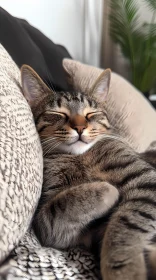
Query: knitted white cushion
point(21, 165)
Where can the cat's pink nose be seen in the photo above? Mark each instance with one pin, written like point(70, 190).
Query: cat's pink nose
point(78, 123)
point(79, 129)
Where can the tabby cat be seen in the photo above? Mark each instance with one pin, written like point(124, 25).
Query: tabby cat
point(89, 174)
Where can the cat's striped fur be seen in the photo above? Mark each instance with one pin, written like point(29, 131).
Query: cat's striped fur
point(102, 195)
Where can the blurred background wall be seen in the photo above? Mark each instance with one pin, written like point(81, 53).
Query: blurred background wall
point(74, 24)
point(82, 26)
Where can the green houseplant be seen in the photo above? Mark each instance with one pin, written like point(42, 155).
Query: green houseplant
point(137, 40)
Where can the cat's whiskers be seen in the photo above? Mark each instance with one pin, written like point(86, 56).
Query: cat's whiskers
point(48, 138)
point(47, 147)
point(93, 136)
point(60, 133)
point(49, 144)
point(52, 148)
point(51, 140)
point(112, 136)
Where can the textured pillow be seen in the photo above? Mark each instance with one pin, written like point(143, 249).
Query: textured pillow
point(21, 165)
point(131, 114)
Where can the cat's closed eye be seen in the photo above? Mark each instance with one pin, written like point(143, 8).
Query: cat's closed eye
point(54, 116)
point(56, 113)
point(61, 114)
point(93, 115)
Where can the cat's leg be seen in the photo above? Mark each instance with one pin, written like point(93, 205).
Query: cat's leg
point(139, 267)
point(125, 254)
point(150, 256)
point(60, 221)
point(121, 257)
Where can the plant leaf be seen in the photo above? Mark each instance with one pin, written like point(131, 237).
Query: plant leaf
point(149, 77)
point(137, 42)
point(124, 25)
point(151, 4)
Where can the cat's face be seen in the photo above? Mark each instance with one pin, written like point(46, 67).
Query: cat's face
point(69, 122)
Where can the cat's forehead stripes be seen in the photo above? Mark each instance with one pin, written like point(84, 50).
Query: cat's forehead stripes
point(75, 102)
point(69, 97)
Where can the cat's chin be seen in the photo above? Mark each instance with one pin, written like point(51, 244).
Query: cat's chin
point(76, 148)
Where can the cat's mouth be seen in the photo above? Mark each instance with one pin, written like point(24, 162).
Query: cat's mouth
point(76, 145)
point(78, 141)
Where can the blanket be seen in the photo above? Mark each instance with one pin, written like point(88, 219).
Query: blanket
point(31, 261)
point(27, 45)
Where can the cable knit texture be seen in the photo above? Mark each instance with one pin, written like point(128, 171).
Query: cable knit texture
point(21, 164)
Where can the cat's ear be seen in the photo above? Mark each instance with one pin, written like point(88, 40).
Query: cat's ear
point(101, 86)
point(69, 74)
point(34, 89)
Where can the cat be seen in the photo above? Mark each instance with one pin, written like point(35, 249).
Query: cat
point(96, 187)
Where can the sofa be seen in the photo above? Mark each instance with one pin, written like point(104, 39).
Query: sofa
point(21, 170)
